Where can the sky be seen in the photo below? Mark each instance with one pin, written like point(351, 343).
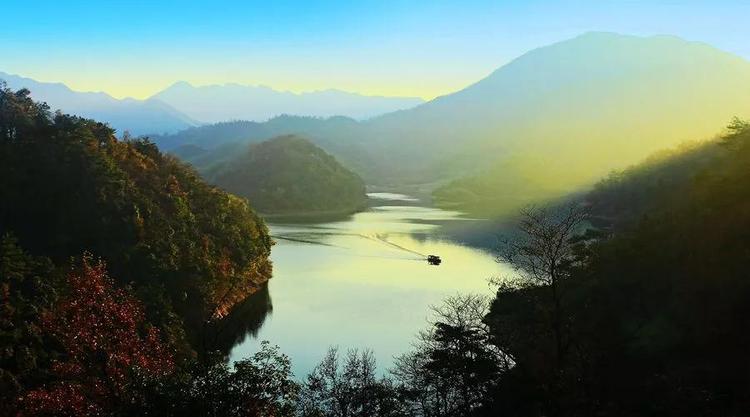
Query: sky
point(423, 48)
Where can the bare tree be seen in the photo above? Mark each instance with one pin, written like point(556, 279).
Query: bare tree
point(543, 253)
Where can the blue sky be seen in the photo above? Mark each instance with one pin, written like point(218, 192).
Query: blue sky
point(413, 48)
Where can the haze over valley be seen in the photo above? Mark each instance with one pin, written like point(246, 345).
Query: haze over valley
point(522, 125)
point(374, 209)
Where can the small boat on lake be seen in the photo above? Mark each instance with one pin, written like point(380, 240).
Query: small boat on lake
point(434, 260)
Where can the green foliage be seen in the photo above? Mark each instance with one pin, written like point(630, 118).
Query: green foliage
point(28, 285)
point(70, 186)
point(291, 175)
point(260, 385)
point(208, 146)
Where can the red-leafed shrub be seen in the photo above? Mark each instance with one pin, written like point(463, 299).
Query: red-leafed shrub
point(108, 348)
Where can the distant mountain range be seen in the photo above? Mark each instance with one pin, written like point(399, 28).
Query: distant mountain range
point(182, 105)
point(218, 103)
point(555, 118)
point(139, 117)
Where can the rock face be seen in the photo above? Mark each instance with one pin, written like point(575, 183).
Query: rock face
point(288, 175)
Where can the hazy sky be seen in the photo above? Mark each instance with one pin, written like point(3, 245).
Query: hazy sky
point(410, 47)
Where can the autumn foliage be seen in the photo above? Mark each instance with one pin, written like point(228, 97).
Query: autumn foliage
point(188, 249)
point(107, 346)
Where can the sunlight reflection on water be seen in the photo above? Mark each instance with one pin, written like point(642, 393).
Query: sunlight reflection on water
point(363, 283)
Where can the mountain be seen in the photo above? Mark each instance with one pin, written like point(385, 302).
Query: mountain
point(562, 116)
point(139, 117)
point(289, 174)
point(585, 105)
point(218, 103)
point(555, 118)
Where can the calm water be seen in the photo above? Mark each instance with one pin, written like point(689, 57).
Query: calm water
point(362, 282)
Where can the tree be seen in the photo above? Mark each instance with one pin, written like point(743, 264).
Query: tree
point(543, 255)
point(454, 364)
point(105, 344)
point(27, 285)
point(351, 390)
point(259, 386)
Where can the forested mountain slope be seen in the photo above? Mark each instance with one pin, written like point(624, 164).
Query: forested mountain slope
point(651, 320)
point(69, 187)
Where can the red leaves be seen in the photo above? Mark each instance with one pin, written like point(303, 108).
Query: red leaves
point(102, 329)
point(63, 399)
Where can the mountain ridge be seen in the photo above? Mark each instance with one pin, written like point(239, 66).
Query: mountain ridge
point(139, 117)
point(580, 107)
point(234, 101)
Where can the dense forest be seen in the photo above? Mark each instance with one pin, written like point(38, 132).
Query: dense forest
point(289, 174)
point(181, 252)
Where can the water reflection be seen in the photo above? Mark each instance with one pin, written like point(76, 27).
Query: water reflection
point(392, 197)
point(245, 320)
point(364, 281)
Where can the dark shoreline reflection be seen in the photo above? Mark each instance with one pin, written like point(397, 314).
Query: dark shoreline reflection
point(245, 320)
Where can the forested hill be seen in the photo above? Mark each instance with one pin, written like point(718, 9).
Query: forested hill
point(288, 174)
point(211, 145)
point(69, 187)
point(653, 320)
point(616, 200)
point(660, 182)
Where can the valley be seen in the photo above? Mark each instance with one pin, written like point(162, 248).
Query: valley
point(493, 213)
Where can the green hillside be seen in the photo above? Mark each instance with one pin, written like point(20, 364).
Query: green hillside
point(289, 174)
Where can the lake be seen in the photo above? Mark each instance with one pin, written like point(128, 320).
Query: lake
point(363, 282)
